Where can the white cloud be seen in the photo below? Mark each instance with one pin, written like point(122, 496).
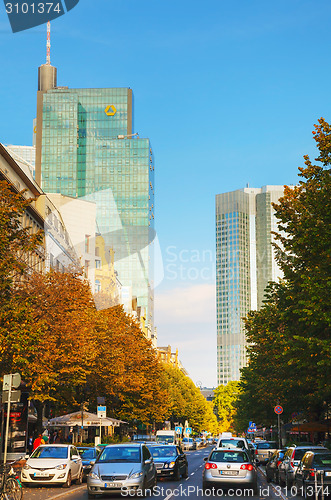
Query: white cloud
point(191, 304)
point(186, 319)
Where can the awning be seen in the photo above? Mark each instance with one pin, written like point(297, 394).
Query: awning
point(311, 427)
point(89, 420)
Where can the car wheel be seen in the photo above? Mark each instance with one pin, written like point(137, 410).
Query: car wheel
point(281, 482)
point(288, 483)
point(185, 475)
point(297, 489)
point(79, 479)
point(254, 488)
point(67, 484)
point(143, 488)
point(177, 474)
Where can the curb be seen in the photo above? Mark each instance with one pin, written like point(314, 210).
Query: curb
point(278, 493)
point(65, 493)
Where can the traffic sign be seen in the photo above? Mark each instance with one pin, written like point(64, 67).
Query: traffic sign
point(178, 430)
point(15, 396)
point(102, 411)
point(278, 409)
point(188, 430)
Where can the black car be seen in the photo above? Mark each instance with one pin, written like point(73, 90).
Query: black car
point(89, 456)
point(271, 468)
point(312, 466)
point(169, 460)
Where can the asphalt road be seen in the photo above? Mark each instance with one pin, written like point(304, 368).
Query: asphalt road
point(166, 489)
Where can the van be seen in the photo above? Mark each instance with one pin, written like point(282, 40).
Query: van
point(167, 437)
point(233, 442)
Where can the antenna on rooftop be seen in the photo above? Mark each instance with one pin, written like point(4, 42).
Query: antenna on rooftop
point(48, 44)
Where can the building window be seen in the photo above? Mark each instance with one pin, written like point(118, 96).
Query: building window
point(97, 251)
point(98, 264)
point(86, 268)
point(97, 286)
point(87, 243)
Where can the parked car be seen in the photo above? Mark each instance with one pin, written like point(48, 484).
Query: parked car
point(169, 460)
point(272, 466)
point(311, 462)
point(288, 467)
point(234, 442)
point(53, 464)
point(229, 467)
point(189, 444)
point(264, 450)
point(122, 466)
point(199, 442)
point(89, 454)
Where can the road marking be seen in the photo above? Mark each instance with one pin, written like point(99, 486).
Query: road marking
point(192, 473)
point(169, 496)
point(67, 492)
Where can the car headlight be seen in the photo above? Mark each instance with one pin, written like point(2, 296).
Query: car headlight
point(172, 465)
point(94, 475)
point(134, 475)
point(61, 467)
point(27, 467)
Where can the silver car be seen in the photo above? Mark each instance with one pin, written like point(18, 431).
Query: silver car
point(122, 467)
point(289, 465)
point(231, 468)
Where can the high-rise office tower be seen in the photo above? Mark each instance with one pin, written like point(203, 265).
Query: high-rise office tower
point(85, 149)
point(245, 263)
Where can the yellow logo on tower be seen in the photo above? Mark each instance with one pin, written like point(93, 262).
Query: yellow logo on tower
point(110, 110)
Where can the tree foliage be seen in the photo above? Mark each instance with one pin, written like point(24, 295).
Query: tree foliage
point(290, 336)
point(187, 402)
point(224, 403)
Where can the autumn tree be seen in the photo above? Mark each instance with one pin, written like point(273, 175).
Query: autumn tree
point(224, 404)
point(187, 402)
point(126, 370)
point(16, 241)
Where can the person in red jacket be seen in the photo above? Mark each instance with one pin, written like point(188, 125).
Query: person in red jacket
point(37, 442)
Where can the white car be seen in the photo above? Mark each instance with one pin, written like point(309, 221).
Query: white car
point(53, 464)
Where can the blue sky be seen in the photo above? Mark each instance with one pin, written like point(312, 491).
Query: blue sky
point(228, 93)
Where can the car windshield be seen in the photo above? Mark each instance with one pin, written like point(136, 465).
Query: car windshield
point(232, 443)
point(322, 459)
point(86, 453)
point(50, 452)
point(228, 456)
point(266, 446)
point(120, 454)
point(300, 453)
point(163, 451)
point(165, 439)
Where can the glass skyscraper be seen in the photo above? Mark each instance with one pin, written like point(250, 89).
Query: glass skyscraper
point(87, 150)
point(245, 263)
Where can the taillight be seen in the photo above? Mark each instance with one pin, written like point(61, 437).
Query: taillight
point(292, 459)
point(256, 452)
point(210, 466)
point(311, 472)
point(278, 463)
point(247, 467)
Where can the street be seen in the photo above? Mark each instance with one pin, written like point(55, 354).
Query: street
point(166, 489)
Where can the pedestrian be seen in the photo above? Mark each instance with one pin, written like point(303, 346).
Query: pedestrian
point(37, 442)
point(44, 439)
point(30, 444)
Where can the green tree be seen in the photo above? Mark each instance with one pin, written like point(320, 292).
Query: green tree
point(289, 338)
